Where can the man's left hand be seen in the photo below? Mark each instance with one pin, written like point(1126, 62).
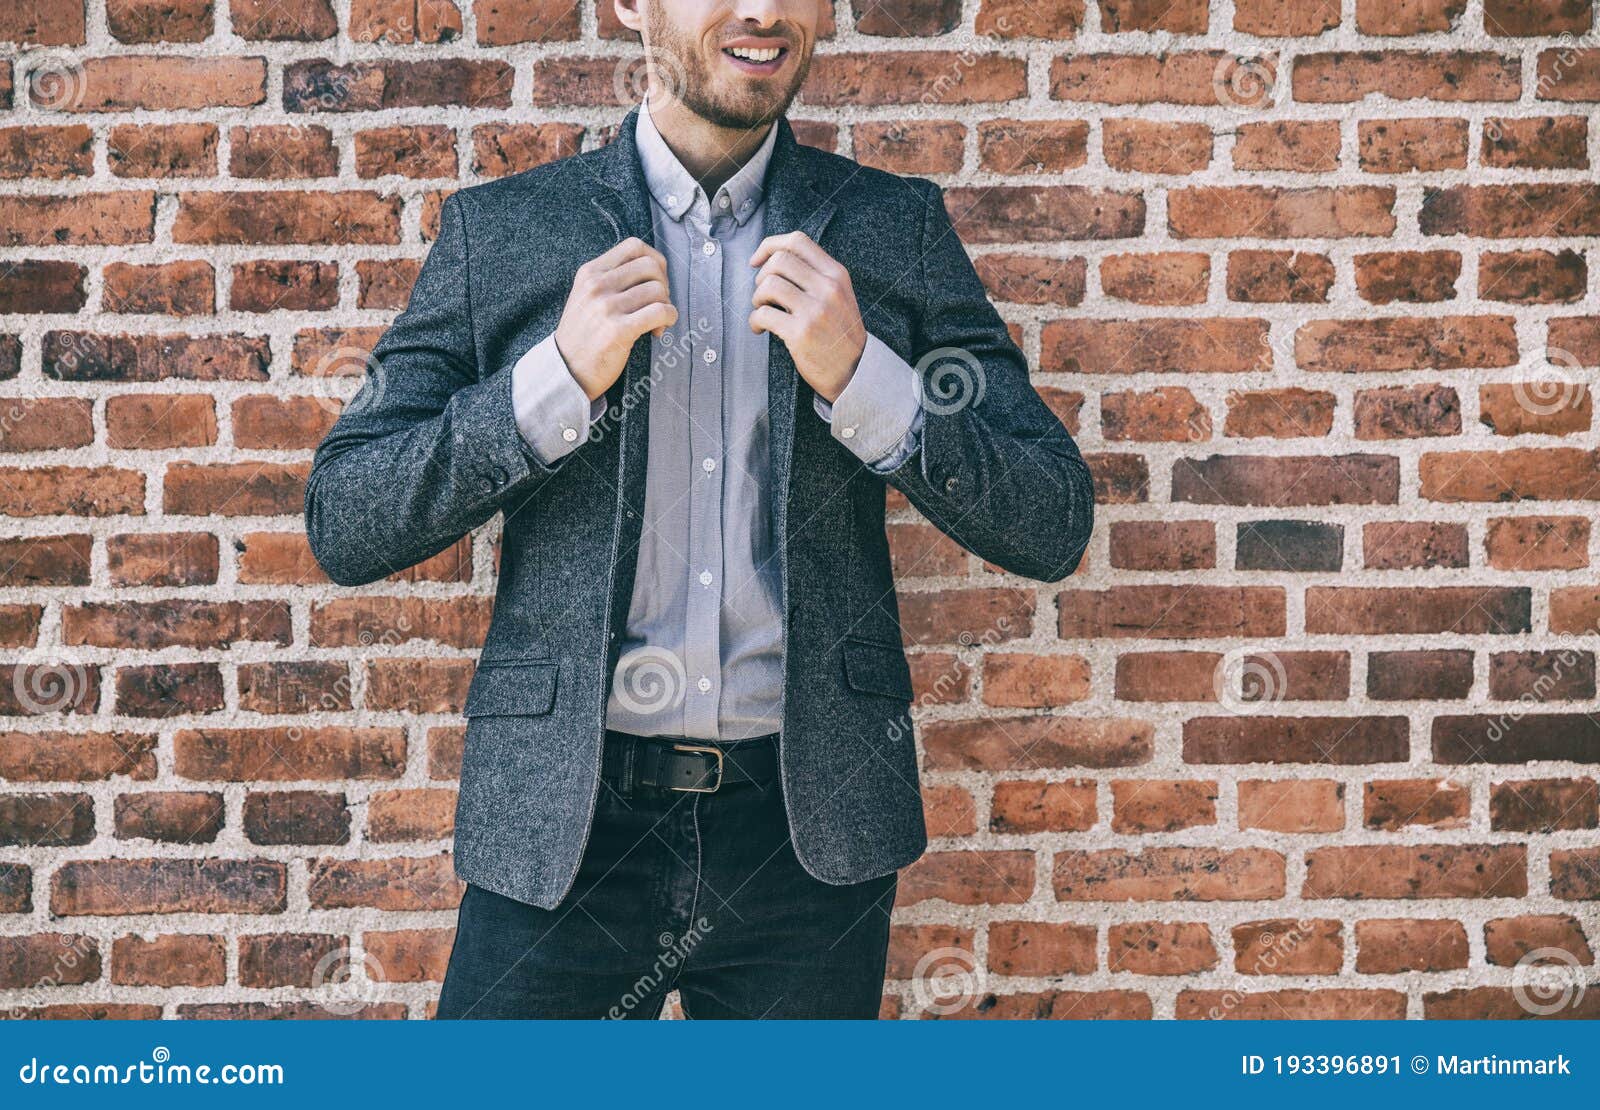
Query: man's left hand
point(804, 298)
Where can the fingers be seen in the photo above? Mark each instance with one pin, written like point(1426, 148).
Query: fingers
point(779, 292)
point(634, 272)
point(636, 297)
point(803, 247)
point(774, 320)
point(655, 317)
point(793, 268)
point(627, 263)
point(630, 248)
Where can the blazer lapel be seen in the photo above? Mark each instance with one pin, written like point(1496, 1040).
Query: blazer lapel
point(793, 204)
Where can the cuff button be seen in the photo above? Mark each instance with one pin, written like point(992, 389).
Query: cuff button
point(570, 435)
point(950, 485)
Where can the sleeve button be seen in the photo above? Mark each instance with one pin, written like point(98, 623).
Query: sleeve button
point(570, 435)
point(950, 485)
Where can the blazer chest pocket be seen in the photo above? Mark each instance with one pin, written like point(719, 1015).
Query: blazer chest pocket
point(875, 667)
point(512, 690)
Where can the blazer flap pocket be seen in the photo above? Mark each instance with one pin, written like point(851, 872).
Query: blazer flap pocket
point(876, 667)
point(512, 690)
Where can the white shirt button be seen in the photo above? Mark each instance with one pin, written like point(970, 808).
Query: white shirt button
point(705, 578)
point(847, 433)
point(704, 684)
point(672, 200)
point(709, 248)
point(569, 434)
point(708, 464)
point(710, 355)
point(723, 202)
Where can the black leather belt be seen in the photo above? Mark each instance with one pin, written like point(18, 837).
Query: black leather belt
point(689, 766)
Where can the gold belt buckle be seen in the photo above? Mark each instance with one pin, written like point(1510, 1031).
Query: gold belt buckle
point(708, 751)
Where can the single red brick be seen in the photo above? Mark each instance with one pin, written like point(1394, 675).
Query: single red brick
point(1029, 743)
point(1161, 948)
point(1385, 277)
point(1149, 146)
point(1304, 806)
point(1427, 871)
point(968, 878)
point(1288, 947)
point(1042, 949)
point(1016, 146)
point(1397, 945)
point(287, 959)
point(152, 886)
point(1397, 804)
point(391, 883)
point(167, 288)
point(1507, 940)
point(1030, 807)
point(171, 816)
point(169, 960)
point(1184, 874)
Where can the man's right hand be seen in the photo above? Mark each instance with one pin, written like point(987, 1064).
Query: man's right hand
point(615, 299)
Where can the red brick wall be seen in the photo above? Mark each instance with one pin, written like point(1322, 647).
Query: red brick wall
point(1311, 733)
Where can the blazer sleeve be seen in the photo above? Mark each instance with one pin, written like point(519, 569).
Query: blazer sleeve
point(996, 472)
point(425, 452)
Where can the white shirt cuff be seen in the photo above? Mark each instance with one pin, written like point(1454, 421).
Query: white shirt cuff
point(878, 416)
point(552, 411)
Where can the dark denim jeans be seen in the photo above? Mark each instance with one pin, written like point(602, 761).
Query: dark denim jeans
point(698, 892)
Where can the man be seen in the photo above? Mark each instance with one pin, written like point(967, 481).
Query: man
point(685, 367)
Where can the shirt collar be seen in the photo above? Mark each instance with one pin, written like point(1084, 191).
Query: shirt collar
point(675, 188)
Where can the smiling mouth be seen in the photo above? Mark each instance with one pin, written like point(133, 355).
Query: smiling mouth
point(752, 60)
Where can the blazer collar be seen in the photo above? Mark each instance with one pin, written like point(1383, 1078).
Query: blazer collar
point(794, 201)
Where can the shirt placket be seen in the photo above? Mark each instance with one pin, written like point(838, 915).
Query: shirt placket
point(702, 617)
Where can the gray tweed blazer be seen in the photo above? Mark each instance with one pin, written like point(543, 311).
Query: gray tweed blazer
point(429, 450)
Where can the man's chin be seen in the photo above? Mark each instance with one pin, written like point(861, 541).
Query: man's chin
point(738, 117)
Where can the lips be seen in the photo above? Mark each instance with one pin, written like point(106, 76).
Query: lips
point(757, 60)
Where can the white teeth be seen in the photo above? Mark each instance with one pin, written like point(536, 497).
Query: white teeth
point(749, 55)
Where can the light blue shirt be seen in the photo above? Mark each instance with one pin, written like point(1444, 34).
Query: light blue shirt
point(702, 655)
